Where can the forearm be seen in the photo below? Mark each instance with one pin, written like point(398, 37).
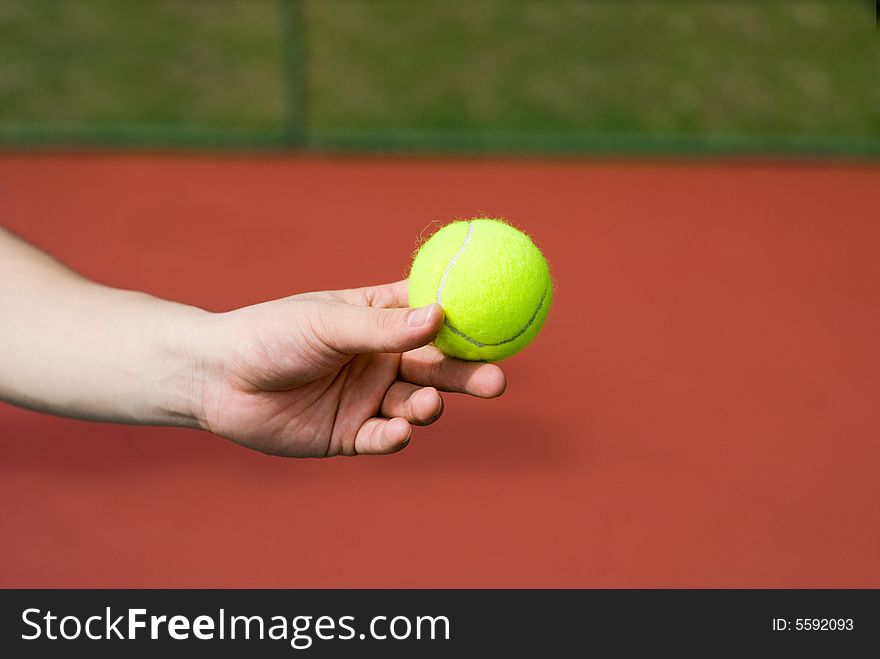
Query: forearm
point(72, 347)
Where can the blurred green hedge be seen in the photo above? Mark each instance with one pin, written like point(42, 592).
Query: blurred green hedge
point(536, 75)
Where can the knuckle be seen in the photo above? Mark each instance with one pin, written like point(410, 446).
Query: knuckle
point(460, 375)
point(321, 332)
point(390, 328)
point(435, 372)
point(408, 407)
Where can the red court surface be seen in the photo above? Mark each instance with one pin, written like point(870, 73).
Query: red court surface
point(701, 409)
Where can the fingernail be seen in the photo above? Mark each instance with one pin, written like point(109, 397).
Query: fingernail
point(418, 317)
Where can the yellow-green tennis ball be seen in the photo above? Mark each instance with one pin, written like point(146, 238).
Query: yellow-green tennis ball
point(493, 284)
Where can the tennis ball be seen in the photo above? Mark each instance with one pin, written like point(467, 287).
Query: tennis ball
point(492, 282)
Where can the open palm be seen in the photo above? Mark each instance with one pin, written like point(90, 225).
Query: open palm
point(333, 373)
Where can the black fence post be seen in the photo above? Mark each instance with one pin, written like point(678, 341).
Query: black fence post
point(294, 70)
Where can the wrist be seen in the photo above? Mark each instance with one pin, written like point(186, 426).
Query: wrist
point(186, 348)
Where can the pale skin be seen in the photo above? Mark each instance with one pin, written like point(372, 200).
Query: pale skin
point(346, 372)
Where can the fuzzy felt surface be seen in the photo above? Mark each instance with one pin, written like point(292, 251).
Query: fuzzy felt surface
point(493, 283)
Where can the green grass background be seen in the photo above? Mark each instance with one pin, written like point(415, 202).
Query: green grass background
point(639, 75)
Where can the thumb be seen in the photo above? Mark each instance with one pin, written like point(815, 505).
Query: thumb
point(353, 329)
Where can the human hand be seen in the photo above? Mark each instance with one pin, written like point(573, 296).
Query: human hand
point(331, 373)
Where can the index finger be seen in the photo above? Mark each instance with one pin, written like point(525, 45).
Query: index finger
point(390, 295)
point(382, 296)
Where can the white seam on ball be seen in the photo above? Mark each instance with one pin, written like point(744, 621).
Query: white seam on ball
point(467, 239)
point(458, 332)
